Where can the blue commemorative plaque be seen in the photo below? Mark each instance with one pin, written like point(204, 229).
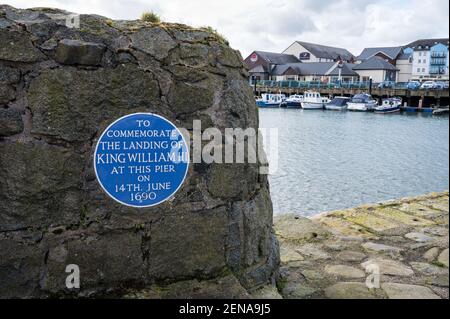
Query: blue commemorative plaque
point(141, 160)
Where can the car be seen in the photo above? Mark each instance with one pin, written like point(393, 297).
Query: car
point(413, 85)
point(386, 85)
point(441, 85)
point(428, 85)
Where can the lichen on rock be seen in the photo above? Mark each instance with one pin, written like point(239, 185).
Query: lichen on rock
point(60, 87)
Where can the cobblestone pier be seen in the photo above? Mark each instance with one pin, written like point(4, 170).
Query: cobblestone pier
point(332, 254)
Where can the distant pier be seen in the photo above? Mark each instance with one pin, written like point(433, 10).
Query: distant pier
point(431, 98)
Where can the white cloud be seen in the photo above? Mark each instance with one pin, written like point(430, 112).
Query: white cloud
point(274, 25)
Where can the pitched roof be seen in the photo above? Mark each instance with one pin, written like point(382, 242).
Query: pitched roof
point(347, 70)
point(427, 42)
point(327, 52)
point(258, 69)
point(277, 58)
point(391, 52)
point(375, 63)
point(315, 68)
point(404, 56)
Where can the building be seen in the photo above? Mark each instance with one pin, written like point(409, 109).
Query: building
point(310, 53)
point(395, 56)
point(389, 54)
point(430, 59)
point(421, 60)
point(376, 68)
point(315, 71)
point(404, 65)
point(261, 64)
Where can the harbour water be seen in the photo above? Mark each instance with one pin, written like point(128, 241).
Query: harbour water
point(336, 160)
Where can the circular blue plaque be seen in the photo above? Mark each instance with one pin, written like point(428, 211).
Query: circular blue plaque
point(141, 160)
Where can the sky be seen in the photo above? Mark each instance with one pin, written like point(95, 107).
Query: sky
point(274, 25)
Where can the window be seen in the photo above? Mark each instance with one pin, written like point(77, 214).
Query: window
point(423, 70)
point(420, 61)
point(418, 70)
point(425, 61)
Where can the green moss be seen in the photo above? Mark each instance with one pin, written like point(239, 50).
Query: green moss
point(219, 37)
point(150, 16)
point(438, 263)
point(281, 284)
point(83, 216)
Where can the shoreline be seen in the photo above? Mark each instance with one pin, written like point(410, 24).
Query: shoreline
point(330, 255)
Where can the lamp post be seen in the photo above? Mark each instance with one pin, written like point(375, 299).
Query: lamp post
point(340, 66)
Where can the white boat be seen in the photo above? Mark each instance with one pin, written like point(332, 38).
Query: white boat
point(293, 102)
point(313, 101)
point(270, 100)
point(391, 105)
point(362, 103)
point(339, 103)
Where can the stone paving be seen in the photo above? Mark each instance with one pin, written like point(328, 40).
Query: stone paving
point(333, 254)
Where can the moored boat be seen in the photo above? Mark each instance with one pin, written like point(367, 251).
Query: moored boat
point(362, 103)
point(313, 101)
point(339, 103)
point(441, 111)
point(294, 101)
point(270, 100)
point(390, 105)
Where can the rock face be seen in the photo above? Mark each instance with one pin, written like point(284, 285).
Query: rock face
point(60, 87)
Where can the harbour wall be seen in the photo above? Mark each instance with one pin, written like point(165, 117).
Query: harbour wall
point(431, 98)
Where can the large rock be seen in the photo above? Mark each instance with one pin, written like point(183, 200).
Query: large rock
point(72, 104)
point(443, 258)
point(59, 89)
point(403, 291)
point(10, 122)
point(79, 52)
point(388, 267)
point(349, 290)
point(18, 47)
point(8, 77)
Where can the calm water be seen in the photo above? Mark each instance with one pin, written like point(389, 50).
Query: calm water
point(334, 160)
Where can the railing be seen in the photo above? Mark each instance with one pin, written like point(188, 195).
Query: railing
point(437, 70)
point(438, 61)
point(311, 85)
point(438, 54)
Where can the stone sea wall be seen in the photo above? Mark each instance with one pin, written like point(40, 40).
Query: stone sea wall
point(60, 87)
point(404, 242)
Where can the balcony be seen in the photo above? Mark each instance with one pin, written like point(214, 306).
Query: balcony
point(438, 70)
point(438, 55)
point(438, 61)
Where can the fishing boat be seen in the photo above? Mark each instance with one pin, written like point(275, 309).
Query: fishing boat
point(390, 105)
point(270, 100)
point(441, 111)
point(293, 102)
point(313, 101)
point(362, 103)
point(339, 103)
